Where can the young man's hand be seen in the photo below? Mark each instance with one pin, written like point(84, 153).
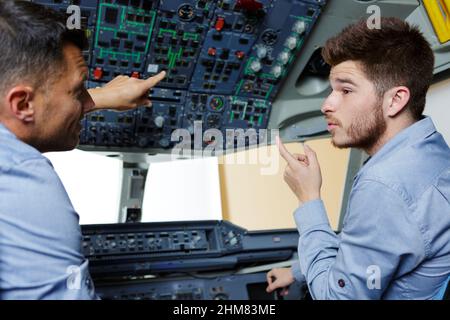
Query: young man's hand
point(124, 93)
point(280, 278)
point(302, 173)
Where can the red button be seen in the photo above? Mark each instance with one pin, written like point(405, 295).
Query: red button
point(249, 5)
point(136, 75)
point(98, 73)
point(212, 51)
point(220, 23)
point(240, 55)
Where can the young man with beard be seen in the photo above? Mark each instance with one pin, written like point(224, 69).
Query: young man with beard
point(42, 100)
point(395, 241)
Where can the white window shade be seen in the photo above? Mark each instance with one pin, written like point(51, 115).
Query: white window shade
point(93, 182)
point(183, 190)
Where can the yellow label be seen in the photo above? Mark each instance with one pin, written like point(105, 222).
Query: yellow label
point(439, 14)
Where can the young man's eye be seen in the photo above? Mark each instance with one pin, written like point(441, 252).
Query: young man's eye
point(345, 91)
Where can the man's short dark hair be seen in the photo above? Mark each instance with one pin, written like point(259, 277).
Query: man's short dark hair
point(394, 55)
point(32, 38)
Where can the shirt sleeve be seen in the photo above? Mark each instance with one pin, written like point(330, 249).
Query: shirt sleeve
point(297, 272)
point(379, 241)
point(40, 237)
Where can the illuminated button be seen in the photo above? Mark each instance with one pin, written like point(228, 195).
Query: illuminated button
point(136, 75)
point(212, 51)
point(98, 73)
point(291, 43)
point(276, 71)
point(159, 121)
point(299, 27)
point(220, 23)
point(216, 104)
point(240, 55)
point(255, 66)
point(284, 57)
point(261, 52)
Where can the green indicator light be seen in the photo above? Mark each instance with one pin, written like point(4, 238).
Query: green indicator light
point(216, 104)
point(260, 121)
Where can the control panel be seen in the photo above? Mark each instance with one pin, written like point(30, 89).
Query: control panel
point(226, 61)
point(149, 248)
point(210, 287)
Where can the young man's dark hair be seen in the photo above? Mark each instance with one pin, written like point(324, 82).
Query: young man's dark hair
point(32, 38)
point(396, 54)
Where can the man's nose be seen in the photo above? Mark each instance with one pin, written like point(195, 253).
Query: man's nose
point(328, 105)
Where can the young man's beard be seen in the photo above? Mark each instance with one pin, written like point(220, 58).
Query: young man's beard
point(366, 130)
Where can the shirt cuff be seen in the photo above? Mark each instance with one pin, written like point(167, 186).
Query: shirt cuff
point(296, 272)
point(310, 214)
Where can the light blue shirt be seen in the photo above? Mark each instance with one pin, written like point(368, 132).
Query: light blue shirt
point(395, 240)
point(40, 237)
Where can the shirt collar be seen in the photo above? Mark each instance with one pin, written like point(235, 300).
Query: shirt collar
point(4, 130)
point(12, 138)
point(415, 132)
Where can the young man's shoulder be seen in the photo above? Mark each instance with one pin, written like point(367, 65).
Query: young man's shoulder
point(414, 168)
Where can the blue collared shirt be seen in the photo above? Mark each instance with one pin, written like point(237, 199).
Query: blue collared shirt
point(40, 237)
point(395, 240)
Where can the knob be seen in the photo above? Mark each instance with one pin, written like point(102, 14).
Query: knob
point(291, 43)
point(255, 66)
point(143, 142)
point(164, 142)
point(284, 57)
point(299, 27)
point(276, 71)
point(159, 121)
point(261, 52)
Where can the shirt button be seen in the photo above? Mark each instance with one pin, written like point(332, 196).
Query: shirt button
point(341, 283)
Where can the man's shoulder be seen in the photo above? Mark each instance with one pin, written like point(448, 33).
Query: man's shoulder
point(24, 169)
point(413, 169)
point(15, 152)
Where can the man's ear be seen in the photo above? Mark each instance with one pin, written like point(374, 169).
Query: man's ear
point(20, 101)
point(397, 99)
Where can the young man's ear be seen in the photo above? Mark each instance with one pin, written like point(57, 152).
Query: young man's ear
point(398, 98)
point(21, 104)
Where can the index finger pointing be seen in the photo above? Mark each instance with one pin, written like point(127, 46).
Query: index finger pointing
point(284, 152)
point(152, 81)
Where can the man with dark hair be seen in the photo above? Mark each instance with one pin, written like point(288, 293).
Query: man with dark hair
point(395, 241)
point(42, 100)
